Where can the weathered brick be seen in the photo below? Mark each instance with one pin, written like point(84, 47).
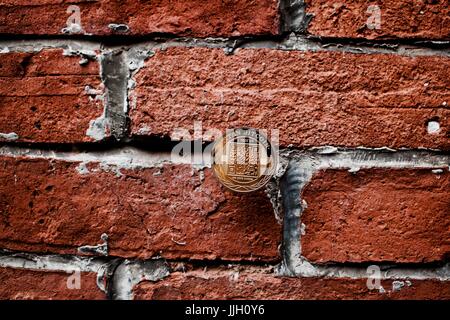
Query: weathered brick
point(313, 98)
point(174, 211)
point(214, 285)
point(377, 215)
point(180, 17)
point(22, 284)
point(43, 96)
point(399, 19)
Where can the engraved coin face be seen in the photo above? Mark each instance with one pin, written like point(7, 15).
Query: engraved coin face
point(243, 160)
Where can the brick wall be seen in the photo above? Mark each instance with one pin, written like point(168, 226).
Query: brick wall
point(94, 204)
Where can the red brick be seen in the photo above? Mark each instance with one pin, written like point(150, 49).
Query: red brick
point(215, 285)
point(399, 19)
point(377, 215)
point(313, 98)
point(180, 17)
point(21, 284)
point(48, 206)
point(43, 96)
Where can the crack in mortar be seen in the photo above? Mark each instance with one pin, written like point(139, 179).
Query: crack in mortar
point(303, 165)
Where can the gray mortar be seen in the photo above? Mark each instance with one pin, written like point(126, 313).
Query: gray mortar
point(114, 74)
point(293, 16)
point(99, 127)
point(120, 28)
point(116, 277)
point(110, 160)
point(86, 49)
point(9, 136)
point(273, 190)
point(292, 42)
point(67, 264)
point(100, 249)
point(130, 273)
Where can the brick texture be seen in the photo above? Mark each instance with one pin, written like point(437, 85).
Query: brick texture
point(76, 97)
point(216, 285)
point(173, 211)
point(313, 98)
point(43, 96)
point(180, 17)
point(20, 284)
point(399, 19)
point(376, 215)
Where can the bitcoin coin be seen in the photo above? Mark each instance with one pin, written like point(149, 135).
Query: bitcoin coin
point(243, 159)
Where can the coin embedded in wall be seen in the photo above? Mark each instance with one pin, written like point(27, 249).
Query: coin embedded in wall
point(243, 159)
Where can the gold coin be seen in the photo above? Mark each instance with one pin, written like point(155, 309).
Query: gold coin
point(243, 160)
